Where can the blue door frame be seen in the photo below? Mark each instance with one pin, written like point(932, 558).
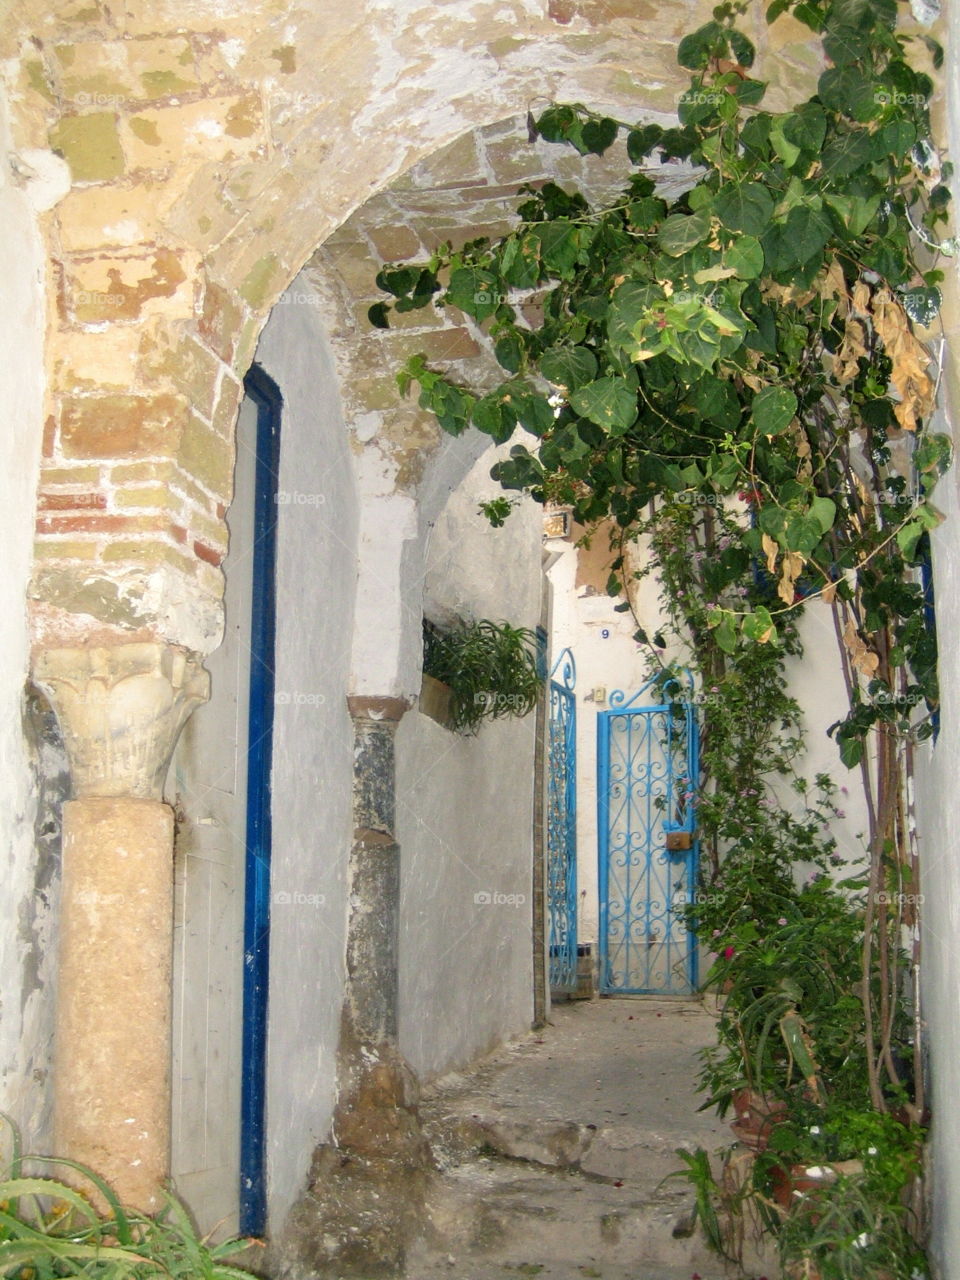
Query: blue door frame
point(562, 826)
point(648, 765)
point(265, 394)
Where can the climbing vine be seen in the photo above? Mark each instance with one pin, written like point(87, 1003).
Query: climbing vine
point(756, 349)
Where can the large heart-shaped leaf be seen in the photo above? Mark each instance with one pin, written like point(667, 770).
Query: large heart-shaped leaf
point(609, 402)
point(744, 207)
point(773, 410)
point(682, 232)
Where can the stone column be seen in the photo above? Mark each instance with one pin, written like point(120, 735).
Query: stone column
point(120, 710)
point(376, 1114)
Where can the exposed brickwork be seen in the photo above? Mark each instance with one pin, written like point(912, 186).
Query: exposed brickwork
point(211, 154)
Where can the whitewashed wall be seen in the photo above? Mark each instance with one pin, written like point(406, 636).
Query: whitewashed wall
point(938, 768)
point(465, 812)
point(27, 938)
point(313, 743)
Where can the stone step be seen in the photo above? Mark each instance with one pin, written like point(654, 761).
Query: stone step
point(524, 1212)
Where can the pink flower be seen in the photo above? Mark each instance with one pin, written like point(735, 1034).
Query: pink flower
point(729, 952)
point(782, 920)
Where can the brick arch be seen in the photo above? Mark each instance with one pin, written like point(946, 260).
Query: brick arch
point(209, 153)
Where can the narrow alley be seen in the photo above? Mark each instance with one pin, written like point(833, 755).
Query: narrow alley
point(552, 1152)
point(555, 1149)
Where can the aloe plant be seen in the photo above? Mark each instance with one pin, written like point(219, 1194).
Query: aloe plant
point(51, 1229)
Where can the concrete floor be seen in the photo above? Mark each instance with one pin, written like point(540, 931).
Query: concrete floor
point(553, 1151)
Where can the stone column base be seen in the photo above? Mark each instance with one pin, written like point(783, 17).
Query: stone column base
point(112, 1072)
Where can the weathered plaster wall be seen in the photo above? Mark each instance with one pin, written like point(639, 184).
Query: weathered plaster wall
point(29, 874)
point(465, 812)
point(313, 741)
point(938, 768)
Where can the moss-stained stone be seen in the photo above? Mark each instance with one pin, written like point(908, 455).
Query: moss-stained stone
point(37, 79)
point(145, 130)
point(90, 145)
point(215, 128)
point(207, 457)
point(66, 549)
point(261, 280)
point(123, 287)
point(160, 84)
point(84, 477)
point(228, 406)
point(144, 497)
point(286, 56)
point(114, 426)
point(188, 366)
point(77, 590)
point(148, 553)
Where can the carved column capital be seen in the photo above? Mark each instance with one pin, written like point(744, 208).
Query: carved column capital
point(121, 709)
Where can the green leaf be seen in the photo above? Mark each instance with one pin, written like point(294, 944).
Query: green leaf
point(640, 142)
point(646, 213)
point(806, 231)
point(716, 401)
point(682, 232)
point(569, 367)
point(824, 511)
point(745, 256)
point(696, 49)
point(806, 128)
point(803, 534)
point(399, 281)
point(490, 416)
point(746, 207)
point(379, 314)
point(559, 246)
point(474, 291)
point(773, 409)
point(509, 351)
point(599, 134)
point(758, 626)
point(726, 633)
point(609, 402)
point(851, 751)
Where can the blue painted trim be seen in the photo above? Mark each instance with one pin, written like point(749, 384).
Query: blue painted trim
point(256, 923)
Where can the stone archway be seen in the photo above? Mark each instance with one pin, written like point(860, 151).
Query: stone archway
point(198, 162)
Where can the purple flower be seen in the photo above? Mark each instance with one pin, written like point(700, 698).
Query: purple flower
point(782, 920)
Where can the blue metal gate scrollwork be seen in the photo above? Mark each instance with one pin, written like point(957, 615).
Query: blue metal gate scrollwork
point(648, 765)
point(562, 825)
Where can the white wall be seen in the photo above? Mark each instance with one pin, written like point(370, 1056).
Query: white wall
point(26, 935)
point(938, 767)
point(313, 743)
point(465, 812)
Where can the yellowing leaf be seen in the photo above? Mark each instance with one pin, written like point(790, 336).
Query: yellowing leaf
point(770, 550)
point(864, 660)
point(851, 350)
point(791, 569)
point(909, 358)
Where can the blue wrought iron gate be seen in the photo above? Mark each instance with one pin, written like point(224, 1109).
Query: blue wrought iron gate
point(647, 770)
point(562, 826)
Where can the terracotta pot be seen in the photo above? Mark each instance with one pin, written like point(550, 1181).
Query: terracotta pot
point(756, 1115)
point(800, 1179)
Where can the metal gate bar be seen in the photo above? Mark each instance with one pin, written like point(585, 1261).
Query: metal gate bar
point(562, 826)
point(647, 768)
